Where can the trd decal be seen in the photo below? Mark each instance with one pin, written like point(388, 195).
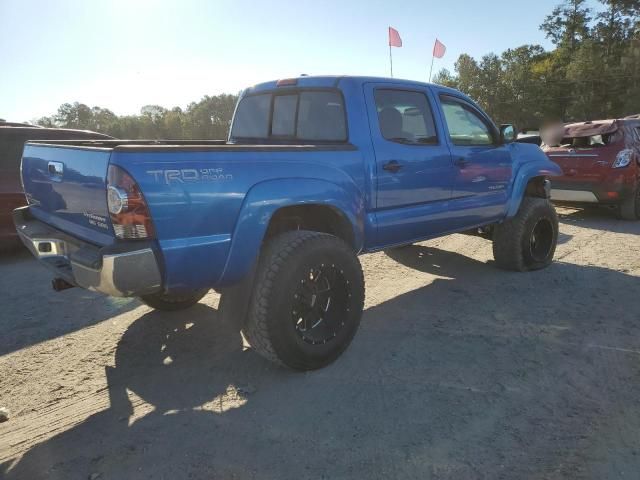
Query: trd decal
point(190, 175)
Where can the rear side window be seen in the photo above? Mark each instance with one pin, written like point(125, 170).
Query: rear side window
point(465, 126)
point(252, 117)
point(317, 116)
point(405, 117)
point(321, 116)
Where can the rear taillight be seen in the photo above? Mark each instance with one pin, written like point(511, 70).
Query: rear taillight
point(127, 207)
point(623, 159)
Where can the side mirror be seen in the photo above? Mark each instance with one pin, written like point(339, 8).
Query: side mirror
point(507, 133)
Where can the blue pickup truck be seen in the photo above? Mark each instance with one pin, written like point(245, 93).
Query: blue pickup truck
point(316, 170)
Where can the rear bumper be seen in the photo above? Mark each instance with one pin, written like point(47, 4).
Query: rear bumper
point(127, 270)
point(585, 192)
point(569, 196)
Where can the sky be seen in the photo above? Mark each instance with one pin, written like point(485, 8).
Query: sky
point(124, 54)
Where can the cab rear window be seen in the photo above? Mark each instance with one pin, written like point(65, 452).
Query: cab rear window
point(317, 116)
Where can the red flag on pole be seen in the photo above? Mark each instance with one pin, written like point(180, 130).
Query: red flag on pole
point(439, 49)
point(394, 38)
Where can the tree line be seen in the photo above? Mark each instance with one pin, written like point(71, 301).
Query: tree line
point(593, 72)
point(208, 118)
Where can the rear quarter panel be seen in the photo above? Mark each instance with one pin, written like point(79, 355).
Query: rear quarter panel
point(205, 204)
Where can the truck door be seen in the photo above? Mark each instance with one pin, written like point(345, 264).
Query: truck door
point(413, 163)
point(482, 164)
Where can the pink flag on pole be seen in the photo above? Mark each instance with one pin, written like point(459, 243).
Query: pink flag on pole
point(394, 38)
point(439, 49)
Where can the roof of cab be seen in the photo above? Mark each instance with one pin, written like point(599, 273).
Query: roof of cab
point(333, 81)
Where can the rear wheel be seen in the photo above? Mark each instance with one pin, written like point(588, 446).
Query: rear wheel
point(174, 302)
point(528, 240)
point(630, 208)
point(307, 300)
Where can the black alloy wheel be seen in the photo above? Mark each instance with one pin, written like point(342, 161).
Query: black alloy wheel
point(321, 304)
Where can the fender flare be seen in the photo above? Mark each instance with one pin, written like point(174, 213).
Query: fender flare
point(522, 177)
point(265, 198)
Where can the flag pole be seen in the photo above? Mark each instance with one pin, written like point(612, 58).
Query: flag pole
point(390, 60)
point(431, 69)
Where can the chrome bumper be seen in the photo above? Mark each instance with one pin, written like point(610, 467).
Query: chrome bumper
point(119, 271)
point(580, 196)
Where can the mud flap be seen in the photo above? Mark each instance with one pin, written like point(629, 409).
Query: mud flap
point(235, 300)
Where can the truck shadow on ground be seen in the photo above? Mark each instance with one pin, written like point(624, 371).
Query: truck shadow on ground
point(478, 374)
point(31, 312)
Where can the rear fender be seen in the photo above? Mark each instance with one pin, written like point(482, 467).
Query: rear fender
point(542, 167)
point(265, 198)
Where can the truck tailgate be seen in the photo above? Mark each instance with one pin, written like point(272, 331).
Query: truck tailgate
point(66, 187)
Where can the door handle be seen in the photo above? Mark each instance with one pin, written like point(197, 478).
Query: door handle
point(461, 162)
point(392, 166)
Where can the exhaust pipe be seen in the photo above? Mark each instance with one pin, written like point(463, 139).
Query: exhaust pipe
point(59, 284)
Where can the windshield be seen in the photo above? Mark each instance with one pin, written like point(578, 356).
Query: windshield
point(294, 116)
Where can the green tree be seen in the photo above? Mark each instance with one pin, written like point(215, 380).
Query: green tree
point(209, 118)
point(468, 76)
point(615, 25)
point(568, 24)
point(445, 78)
point(523, 85)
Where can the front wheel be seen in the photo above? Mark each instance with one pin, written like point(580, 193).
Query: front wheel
point(307, 300)
point(172, 302)
point(528, 240)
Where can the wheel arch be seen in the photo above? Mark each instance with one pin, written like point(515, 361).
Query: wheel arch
point(310, 204)
point(530, 180)
point(316, 217)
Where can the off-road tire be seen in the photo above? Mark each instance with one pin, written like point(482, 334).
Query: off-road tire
point(173, 302)
point(630, 208)
point(286, 262)
point(516, 247)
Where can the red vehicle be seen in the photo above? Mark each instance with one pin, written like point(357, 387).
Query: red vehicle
point(601, 165)
point(12, 138)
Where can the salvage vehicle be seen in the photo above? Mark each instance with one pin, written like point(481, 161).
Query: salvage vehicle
point(529, 135)
point(601, 164)
point(315, 171)
point(12, 138)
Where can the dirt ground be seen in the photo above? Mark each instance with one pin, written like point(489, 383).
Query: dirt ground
point(459, 371)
